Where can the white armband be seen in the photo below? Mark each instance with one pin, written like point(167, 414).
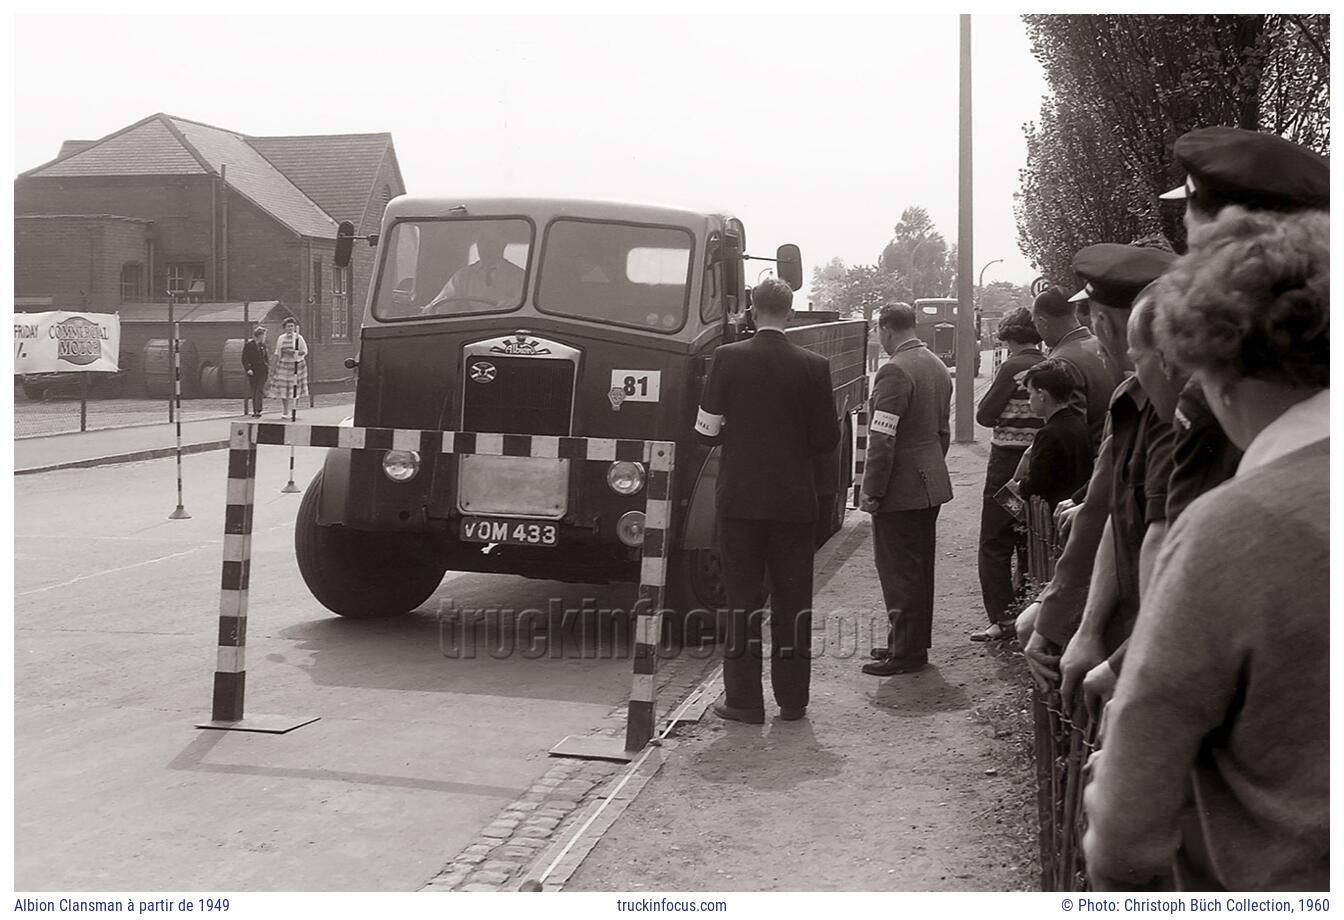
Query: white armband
point(708, 424)
point(884, 423)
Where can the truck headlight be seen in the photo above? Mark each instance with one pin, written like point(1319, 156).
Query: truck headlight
point(401, 465)
point(630, 528)
point(625, 477)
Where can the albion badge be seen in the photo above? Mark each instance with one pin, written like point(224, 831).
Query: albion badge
point(617, 396)
point(483, 372)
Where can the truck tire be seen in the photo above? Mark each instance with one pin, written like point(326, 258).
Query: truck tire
point(695, 599)
point(361, 574)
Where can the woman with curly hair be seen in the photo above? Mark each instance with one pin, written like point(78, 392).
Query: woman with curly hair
point(1005, 408)
point(1216, 759)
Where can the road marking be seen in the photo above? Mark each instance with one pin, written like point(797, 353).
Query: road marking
point(123, 568)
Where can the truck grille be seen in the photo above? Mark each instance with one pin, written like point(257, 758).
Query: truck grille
point(521, 396)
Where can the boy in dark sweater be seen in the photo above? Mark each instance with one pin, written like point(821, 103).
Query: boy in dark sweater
point(1061, 452)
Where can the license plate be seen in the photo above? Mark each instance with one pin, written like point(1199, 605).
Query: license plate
point(524, 533)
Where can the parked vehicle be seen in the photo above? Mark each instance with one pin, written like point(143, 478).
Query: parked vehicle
point(936, 325)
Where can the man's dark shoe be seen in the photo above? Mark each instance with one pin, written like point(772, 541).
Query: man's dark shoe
point(792, 713)
point(888, 667)
point(733, 714)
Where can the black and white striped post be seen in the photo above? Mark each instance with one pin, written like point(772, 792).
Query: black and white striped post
point(227, 711)
point(293, 417)
point(860, 451)
point(641, 714)
point(180, 514)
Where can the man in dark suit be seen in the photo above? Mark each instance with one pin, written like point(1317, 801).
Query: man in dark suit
point(1066, 338)
point(769, 404)
point(905, 482)
point(257, 363)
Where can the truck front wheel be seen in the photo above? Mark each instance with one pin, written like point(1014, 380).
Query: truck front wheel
point(696, 596)
point(363, 574)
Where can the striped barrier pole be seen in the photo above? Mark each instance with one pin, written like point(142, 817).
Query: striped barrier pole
point(180, 514)
point(293, 417)
point(860, 452)
point(227, 711)
point(641, 714)
point(231, 664)
point(230, 674)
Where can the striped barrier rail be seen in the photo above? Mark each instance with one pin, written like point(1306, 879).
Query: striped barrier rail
point(658, 456)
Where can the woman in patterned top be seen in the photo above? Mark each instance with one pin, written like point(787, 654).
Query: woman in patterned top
point(1005, 408)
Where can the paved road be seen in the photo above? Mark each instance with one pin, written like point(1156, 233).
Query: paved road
point(116, 615)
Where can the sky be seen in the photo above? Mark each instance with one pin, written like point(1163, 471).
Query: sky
point(812, 129)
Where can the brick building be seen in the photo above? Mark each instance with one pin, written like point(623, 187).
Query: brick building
point(172, 206)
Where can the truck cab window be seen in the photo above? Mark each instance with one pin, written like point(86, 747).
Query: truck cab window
point(624, 274)
point(453, 267)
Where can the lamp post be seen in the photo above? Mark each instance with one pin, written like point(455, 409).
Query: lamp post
point(980, 285)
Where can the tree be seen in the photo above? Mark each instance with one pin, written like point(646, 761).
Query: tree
point(999, 297)
point(827, 282)
point(918, 253)
point(867, 288)
point(1124, 88)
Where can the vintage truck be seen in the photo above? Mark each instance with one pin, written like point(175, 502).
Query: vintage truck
point(543, 317)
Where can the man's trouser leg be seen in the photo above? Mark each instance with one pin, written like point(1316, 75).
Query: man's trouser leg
point(899, 547)
point(743, 549)
point(790, 552)
point(929, 553)
point(998, 536)
point(258, 392)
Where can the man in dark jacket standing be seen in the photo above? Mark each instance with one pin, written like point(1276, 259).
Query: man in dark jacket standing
point(1066, 338)
point(905, 482)
point(258, 366)
point(769, 404)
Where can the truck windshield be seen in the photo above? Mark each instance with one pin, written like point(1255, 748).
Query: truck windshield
point(624, 274)
point(453, 266)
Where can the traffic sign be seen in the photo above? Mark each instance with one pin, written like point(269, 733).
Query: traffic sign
point(1038, 287)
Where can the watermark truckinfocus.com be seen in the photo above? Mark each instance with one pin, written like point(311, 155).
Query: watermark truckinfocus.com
point(593, 632)
point(658, 905)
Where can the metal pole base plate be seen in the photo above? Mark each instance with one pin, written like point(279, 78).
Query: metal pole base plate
point(290, 487)
point(594, 747)
point(267, 724)
point(179, 515)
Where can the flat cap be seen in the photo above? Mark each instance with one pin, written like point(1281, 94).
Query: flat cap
point(1252, 169)
point(1115, 273)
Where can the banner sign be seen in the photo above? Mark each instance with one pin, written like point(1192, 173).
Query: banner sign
point(46, 343)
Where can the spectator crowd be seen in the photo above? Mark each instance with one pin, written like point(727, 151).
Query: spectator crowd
point(1183, 443)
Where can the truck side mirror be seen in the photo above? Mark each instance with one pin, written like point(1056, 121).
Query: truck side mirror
point(789, 265)
point(345, 240)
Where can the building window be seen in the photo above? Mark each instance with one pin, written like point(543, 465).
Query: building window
point(340, 303)
point(186, 278)
point(132, 281)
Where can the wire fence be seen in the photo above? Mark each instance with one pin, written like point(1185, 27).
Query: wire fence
point(1065, 736)
point(51, 410)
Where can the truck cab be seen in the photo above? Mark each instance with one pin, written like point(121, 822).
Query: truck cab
point(532, 317)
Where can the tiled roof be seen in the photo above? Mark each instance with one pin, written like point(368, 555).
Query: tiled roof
point(335, 170)
point(147, 148)
point(254, 176)
point(69, 147)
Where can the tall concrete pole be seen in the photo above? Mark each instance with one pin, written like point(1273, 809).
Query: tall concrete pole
point(965, 394)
